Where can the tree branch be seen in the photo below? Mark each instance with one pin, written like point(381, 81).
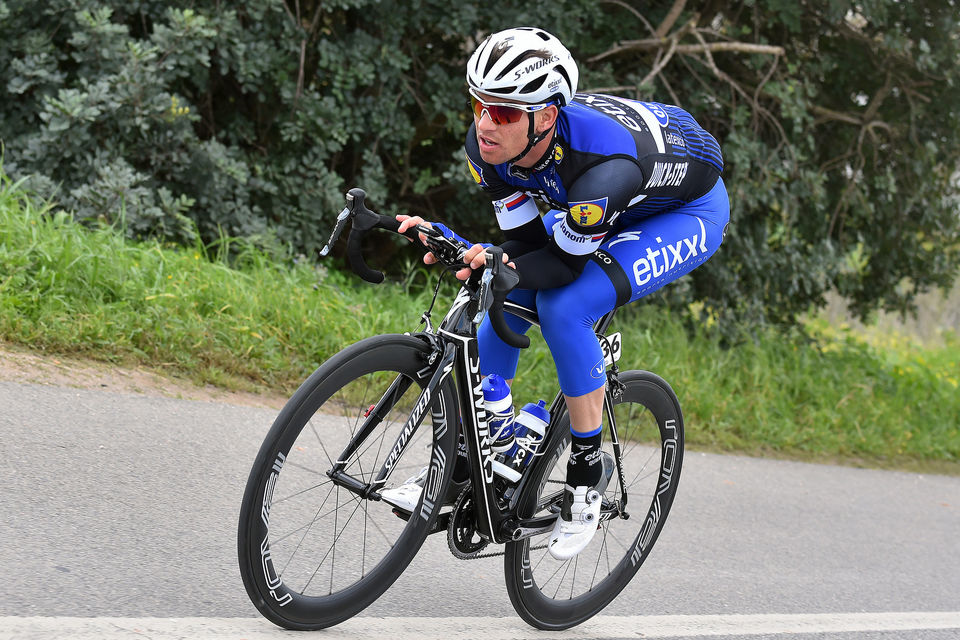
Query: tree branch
point(740, 47)
point(829, 114)
point(661, 64)
point(649, 44)
point(670, 19)
point(624, 5)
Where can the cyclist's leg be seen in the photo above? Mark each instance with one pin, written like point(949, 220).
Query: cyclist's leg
point(639, 259)
point(643, 257)
point(660, 248)
point(496, 356)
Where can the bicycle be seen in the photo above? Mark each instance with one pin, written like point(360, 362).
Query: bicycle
point(317, 545)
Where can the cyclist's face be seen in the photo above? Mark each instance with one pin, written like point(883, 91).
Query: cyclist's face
point(500, 142)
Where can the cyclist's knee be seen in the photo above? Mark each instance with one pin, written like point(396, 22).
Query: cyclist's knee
point(567, 313)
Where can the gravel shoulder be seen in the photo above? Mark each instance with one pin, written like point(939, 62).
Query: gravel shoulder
point(21, 365)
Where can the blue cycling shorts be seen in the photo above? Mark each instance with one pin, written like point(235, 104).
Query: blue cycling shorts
point(639, 257)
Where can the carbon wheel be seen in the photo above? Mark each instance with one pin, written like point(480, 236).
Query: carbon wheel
point(312, 551)
point(553, 594)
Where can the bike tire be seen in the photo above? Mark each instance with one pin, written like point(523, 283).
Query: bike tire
point(554, 595)
point(293, 517)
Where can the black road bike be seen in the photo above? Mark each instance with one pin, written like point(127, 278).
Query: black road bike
point(316, 542)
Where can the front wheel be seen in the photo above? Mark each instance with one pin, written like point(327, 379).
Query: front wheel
point(552, 594)
point(312, 551)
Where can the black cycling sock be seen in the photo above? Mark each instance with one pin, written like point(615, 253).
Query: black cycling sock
point(585, 466)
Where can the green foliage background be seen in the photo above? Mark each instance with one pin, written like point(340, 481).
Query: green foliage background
point(251, 118)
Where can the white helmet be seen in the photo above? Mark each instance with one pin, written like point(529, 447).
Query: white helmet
point(524, 65)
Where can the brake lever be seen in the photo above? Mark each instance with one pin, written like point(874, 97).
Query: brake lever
point(337, 230)
point(491, 269)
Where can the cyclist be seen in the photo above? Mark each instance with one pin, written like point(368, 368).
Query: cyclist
point(635, 201)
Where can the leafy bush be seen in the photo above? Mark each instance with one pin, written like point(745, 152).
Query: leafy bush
point(251, 118)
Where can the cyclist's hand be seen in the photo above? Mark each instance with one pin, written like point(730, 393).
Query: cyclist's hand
point(476, 259)
point(411, 221)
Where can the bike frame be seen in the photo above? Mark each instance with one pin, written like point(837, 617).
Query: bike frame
point(455, 352)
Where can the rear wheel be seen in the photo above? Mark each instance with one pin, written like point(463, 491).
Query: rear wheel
point(312, 552)
point(553, 594)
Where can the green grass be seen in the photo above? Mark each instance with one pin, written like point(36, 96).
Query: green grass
point(251, 324)
point(255, 324)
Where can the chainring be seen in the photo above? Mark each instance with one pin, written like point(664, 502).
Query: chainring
point(462, 537)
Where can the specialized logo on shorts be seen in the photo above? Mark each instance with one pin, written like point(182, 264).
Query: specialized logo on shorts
point(588, 213)
point(598, 369)
point(476, 171)
point(557, 154)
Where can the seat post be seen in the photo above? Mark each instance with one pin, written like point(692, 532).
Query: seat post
point(604, 322)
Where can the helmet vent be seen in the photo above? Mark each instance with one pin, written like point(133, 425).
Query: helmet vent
point(563, 72)
point(499, 49)
point(533, 86)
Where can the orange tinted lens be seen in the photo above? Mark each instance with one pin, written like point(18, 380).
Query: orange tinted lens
point(498, 113)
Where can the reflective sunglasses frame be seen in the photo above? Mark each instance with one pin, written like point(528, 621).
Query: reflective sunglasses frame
point(502, 112)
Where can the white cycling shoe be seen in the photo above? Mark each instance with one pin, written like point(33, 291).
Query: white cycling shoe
point(407, 495)
point(578, 522)
point(579, 515)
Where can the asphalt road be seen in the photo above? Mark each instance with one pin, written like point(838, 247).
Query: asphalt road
point(126, 506)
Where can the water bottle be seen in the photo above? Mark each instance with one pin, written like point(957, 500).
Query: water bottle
point(500, 421)
point(531, 425)
point(499, 406)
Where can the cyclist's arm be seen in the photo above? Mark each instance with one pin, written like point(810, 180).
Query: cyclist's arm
point(596, 199)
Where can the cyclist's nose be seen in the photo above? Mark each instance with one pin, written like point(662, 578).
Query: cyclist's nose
point(485, 122)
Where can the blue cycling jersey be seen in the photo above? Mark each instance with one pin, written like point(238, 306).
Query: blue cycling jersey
point(612, 161)
point(637, 201)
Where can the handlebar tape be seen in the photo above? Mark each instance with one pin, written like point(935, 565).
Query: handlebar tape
point(363, 221)
point(504, 281)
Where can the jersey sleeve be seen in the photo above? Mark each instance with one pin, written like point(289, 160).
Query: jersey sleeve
point(595, 201)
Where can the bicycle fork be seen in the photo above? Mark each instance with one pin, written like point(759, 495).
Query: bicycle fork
point(428, 397)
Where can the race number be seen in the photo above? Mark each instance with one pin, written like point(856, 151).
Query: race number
point(612, 348)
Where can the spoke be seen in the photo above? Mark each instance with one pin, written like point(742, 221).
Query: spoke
point(333, 560)
point(323, 447)
point(620, 542)
point(573, 580)
point(294, 495)
point(333, 546)
point(596, 567)
point(376, 526)
point(305, 468)
point(363, 545)
point(565, 566)
point(637, 477)
point(303, 537)
point(356, 422)
point(316, 519)
point(276, 539)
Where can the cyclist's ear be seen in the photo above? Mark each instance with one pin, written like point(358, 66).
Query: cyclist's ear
point(546, 118)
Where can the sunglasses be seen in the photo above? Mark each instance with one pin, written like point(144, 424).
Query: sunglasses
point(503, 112)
